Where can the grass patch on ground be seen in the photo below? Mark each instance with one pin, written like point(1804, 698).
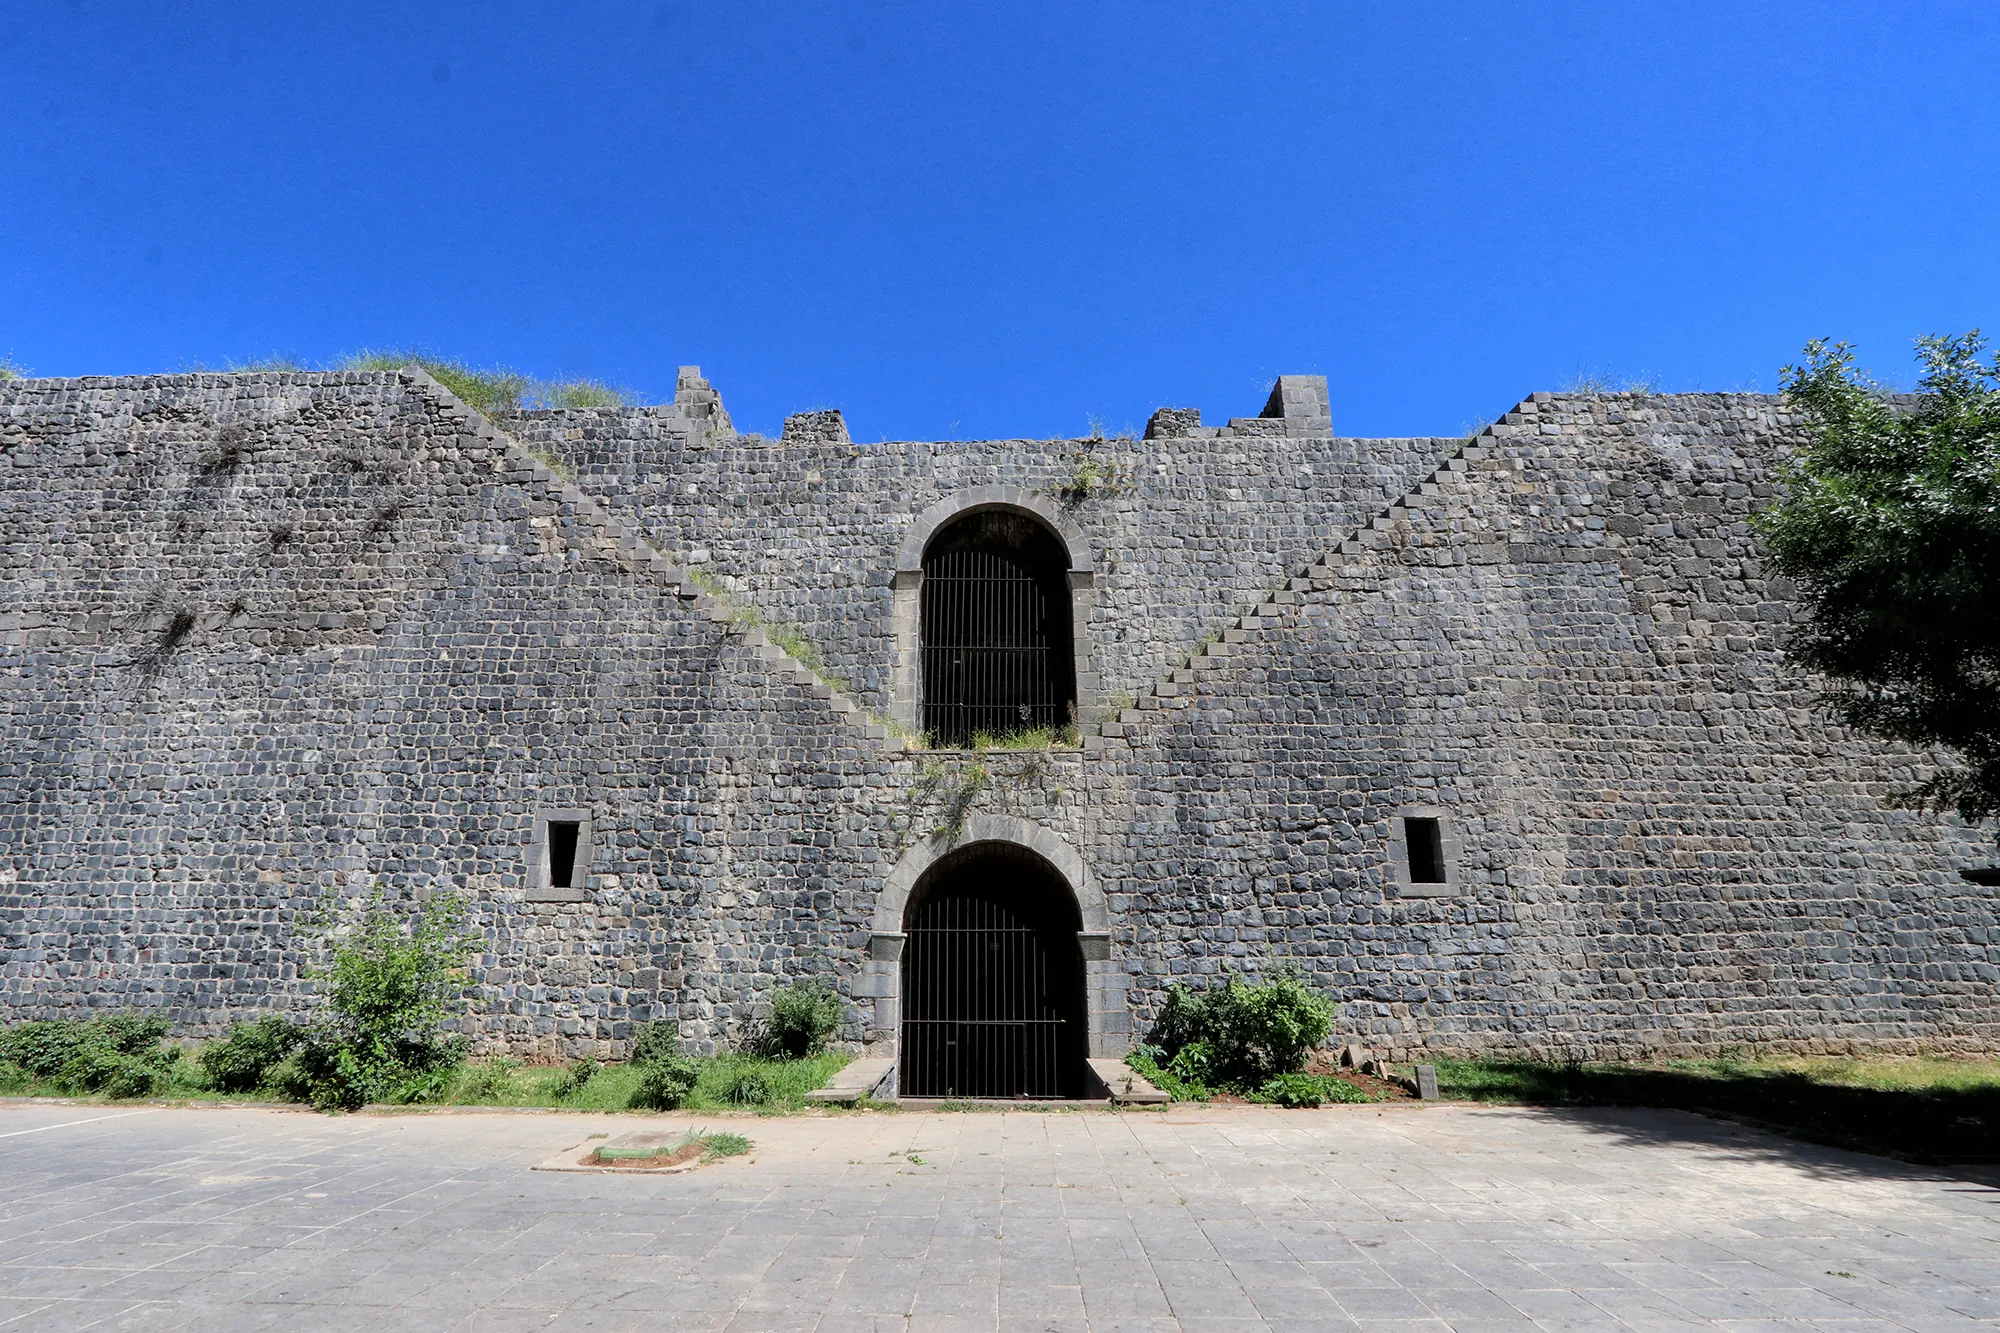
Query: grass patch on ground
point(506, 1082)
point(502, 1082)
point(1928, 1110)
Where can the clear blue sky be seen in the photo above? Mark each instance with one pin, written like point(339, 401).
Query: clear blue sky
point(955, 220)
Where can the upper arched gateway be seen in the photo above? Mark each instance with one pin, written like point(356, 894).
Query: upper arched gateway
point(992, 600)
point(995, 624)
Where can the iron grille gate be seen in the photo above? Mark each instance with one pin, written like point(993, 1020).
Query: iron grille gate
point(982, 1007)
point(987, 664)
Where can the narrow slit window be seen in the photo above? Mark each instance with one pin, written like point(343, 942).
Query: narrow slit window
point(562, 853)
point(1425, 840)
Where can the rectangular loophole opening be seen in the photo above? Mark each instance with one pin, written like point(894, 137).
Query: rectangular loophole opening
point(1425, 841)
point(562, 853)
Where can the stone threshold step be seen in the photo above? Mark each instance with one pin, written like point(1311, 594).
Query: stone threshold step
point(856, 1079)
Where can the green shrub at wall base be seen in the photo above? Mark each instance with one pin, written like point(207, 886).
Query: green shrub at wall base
point(332, 1072)
point(120, 1056)
point(1183, 1020)
point(577, 1077)
point(242, 1061)
point(395, 974)
point(654, 1042)
point(1241, 1036)
point(1195, 1063)
point(423, 1087)
point(665, 1083)
point(1307, 1090)
point(750, 1089)
point(40, 1047)
point(1150, 1064)
point(803, 1015)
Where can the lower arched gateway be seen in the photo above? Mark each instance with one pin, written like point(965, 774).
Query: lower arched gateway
point(992, 979)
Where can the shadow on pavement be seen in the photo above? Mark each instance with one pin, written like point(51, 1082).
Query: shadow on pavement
point(1931, 1126)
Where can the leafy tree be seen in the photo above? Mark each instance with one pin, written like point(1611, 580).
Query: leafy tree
point(1890, 526)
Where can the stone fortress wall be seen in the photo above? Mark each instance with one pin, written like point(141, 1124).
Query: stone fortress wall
point(809, 526)
point(269, 636)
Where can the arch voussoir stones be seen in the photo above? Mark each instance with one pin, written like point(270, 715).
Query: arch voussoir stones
point(1104, 981)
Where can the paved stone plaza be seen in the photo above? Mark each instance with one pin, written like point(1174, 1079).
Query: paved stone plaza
point(1411, 1218)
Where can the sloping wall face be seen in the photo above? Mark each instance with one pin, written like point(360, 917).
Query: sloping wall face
point(273, 637)
point(1572, 651)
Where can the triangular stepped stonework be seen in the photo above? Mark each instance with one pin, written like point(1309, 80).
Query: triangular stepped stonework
point(1277, 615)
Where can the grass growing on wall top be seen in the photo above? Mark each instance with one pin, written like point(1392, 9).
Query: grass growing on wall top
point(495, 388)
point(1032, 738)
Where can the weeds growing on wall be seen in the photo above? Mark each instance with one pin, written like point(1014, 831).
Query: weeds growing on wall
point(549, 459)
point(955, 784)
point(1597, 382)
point(580, 396)
point(804, 651)
point(789, 639)
point(273, 363)
point(1033, 738)
point(1092, 476)
point(483, 390)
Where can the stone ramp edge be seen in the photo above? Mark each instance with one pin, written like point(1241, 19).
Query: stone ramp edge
point(1177, 687)
point(1122, 1084)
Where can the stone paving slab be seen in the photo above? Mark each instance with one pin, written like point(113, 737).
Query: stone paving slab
point(1418, 1219)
